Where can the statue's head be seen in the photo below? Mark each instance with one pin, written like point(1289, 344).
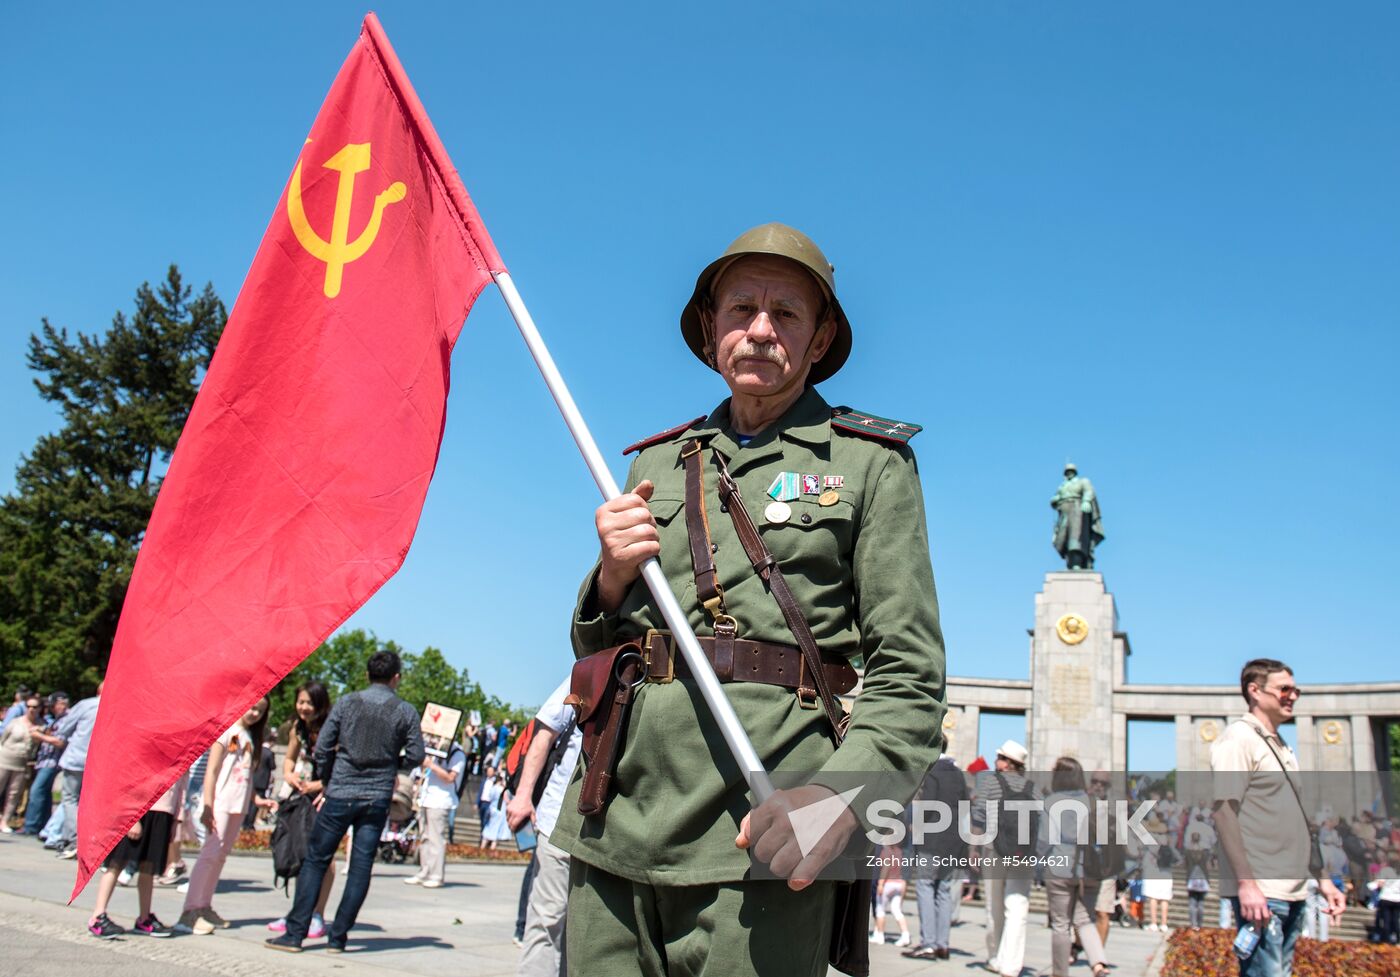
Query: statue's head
point(1070, 470)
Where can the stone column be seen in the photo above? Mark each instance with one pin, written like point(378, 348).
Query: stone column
point(1185, 746)
point(1120, 742)
point(1072, 671)
point(1307, 746)
point(1363, 748)
point(1363, 761)
point(961, 729)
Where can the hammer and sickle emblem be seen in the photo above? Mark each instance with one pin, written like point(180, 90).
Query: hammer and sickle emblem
point(340, 250)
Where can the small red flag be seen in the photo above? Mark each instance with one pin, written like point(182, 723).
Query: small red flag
point(297, 484)
point(977, 766)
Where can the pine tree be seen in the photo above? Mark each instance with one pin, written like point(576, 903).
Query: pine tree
point(70, 530)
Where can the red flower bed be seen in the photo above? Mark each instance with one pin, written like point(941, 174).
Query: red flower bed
point(476, 853)
point(1207, 953)
point(250, 840)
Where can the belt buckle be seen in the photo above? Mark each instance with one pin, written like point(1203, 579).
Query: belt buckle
point(647, 639)
point(806, 697)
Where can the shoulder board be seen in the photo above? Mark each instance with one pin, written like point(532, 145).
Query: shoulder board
point(665, 435)
point(870, 426)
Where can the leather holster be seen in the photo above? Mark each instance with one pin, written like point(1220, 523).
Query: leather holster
point(601, 689)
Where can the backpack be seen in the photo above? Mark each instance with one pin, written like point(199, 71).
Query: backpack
point(466, 770)
point(515, 761)
point(295, 816)
point(1104, 861)
point(1009, 822)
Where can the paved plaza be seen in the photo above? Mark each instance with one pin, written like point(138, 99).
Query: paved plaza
point(463, 929)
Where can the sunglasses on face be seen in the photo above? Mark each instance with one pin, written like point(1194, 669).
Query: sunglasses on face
point(1285, 692)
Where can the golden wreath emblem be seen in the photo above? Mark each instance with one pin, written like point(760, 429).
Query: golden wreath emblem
point(950, 721)
point(1072, 629)
point(1210, 729)
point(1332, 733)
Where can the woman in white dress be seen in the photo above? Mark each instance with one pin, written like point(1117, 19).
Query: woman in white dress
point(1156, 877)
point(496, 828)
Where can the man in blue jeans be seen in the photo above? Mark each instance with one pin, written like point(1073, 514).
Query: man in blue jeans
point(45, 766)
point(1261, 824)
point(358, 755)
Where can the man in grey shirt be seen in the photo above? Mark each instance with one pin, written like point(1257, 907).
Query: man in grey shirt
point(358, 754)
point(75, 732)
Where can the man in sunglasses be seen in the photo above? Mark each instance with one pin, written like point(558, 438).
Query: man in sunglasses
point(1263, 829)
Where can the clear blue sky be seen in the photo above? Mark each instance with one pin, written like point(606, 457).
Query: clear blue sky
point(1158, 238)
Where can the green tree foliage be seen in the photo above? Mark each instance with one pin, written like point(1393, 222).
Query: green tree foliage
point(70, 529)
point(340, 663)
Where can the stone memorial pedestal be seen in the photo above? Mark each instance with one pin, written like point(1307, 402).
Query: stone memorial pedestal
point(1073, 666)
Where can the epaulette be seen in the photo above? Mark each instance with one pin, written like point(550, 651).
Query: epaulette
point(870, 426)
point(665, 435)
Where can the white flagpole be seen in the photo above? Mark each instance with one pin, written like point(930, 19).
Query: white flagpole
point(680, 628)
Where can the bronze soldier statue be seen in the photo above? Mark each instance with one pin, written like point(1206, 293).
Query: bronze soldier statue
point(1078, 527)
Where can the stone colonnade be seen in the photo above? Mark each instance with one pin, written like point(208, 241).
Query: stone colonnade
point(1078, 701)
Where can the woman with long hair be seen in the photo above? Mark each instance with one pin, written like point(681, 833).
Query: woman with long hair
point(313, 705)
point(228, 785)
point(1070, 895)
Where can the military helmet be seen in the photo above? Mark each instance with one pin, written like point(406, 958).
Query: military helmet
point(1070, 467)
point(785, 242)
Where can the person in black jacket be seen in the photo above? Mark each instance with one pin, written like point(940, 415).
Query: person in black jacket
point(366, 738)
point(936, 854)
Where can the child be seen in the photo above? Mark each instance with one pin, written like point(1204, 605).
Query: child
point(228, 784)
point(889, 897)
point(147, 843)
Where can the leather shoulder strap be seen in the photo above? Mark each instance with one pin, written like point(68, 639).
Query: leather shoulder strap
point(697, 525)
point(767, 568)
point(1284, 769)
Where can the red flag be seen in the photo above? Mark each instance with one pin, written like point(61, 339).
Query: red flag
point(297, 484)
point(977, 766)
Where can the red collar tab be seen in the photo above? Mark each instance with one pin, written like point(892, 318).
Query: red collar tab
point(665, 435)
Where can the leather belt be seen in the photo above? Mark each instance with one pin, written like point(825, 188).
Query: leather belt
point(749, 661)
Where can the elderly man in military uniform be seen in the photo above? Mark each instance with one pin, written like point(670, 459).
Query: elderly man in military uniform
point(1078, 526)
point(662, 882)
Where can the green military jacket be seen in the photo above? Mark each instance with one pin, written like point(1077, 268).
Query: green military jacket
point(860, 571)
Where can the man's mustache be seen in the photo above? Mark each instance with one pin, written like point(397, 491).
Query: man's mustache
point(758, 351)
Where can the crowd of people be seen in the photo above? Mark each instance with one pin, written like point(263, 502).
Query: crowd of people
point(369, 741)
point(1089, 889)
point(1241, 841)
point(345, 763)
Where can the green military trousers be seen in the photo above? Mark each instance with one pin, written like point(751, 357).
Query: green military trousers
point(618, 927)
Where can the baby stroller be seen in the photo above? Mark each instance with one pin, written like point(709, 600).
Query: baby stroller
point(399, 839)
